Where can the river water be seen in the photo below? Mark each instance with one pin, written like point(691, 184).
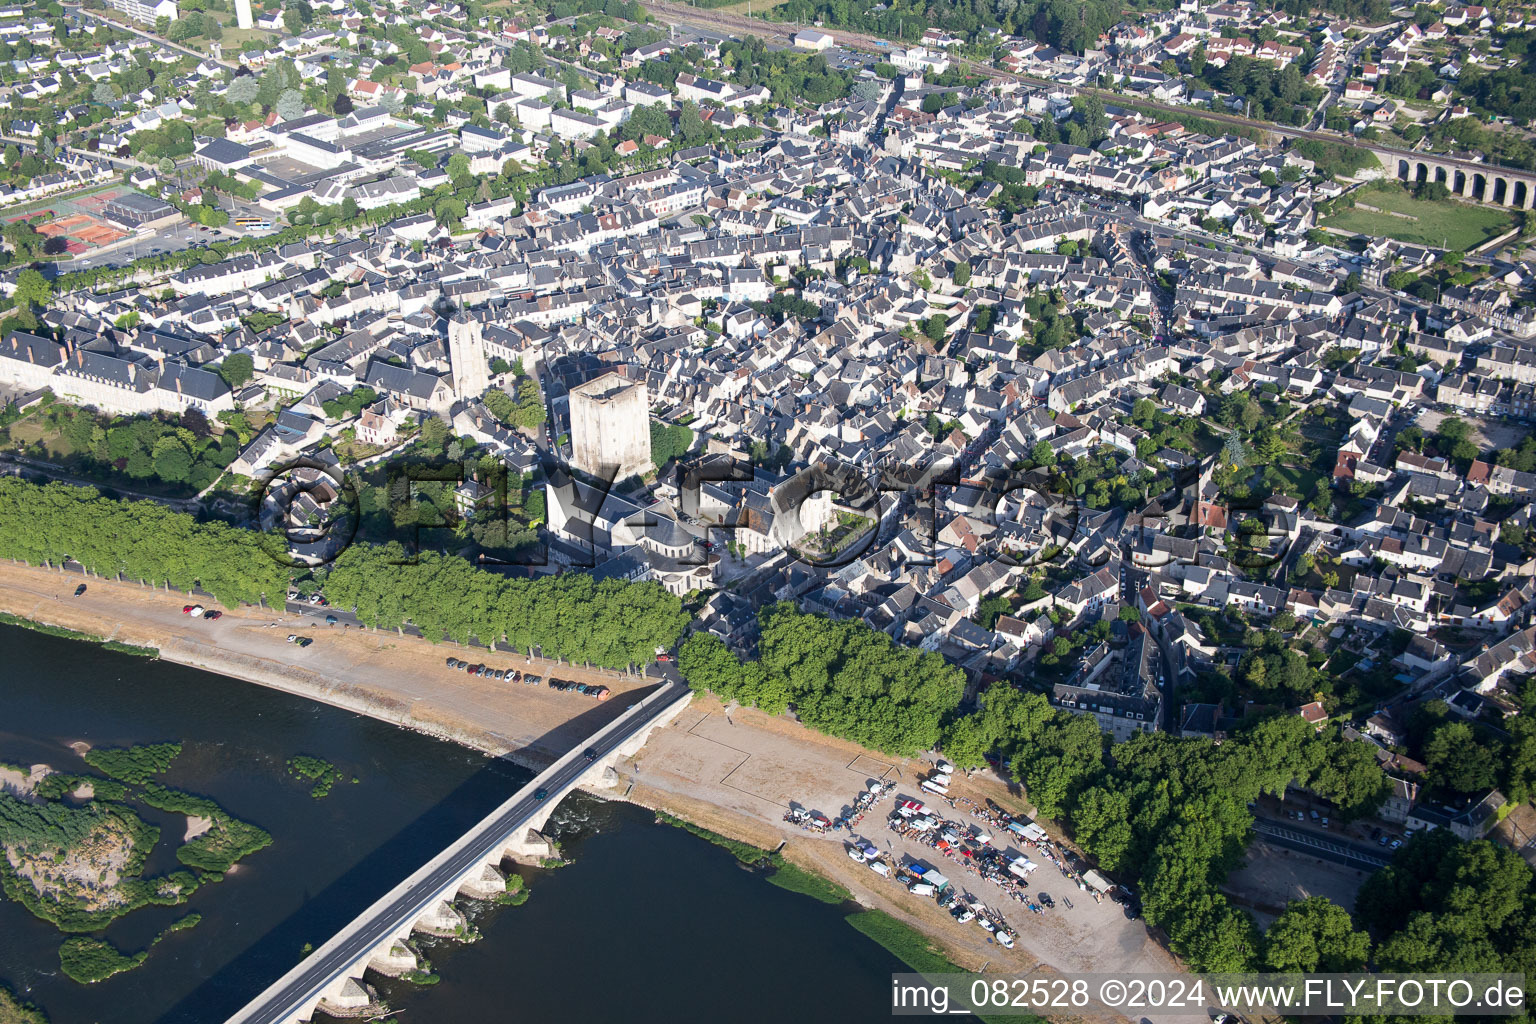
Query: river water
point(648, 923)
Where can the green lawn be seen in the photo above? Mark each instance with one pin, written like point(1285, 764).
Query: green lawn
point(1442, 223)
point(1306, 480)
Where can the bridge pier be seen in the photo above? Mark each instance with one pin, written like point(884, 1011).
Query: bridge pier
point(354, 999)
point(331, 977)
point(486, 885)
point(442, 919)
point(398, 959)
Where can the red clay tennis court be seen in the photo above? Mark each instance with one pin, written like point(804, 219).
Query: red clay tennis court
point(97, 200)
point(99, 234)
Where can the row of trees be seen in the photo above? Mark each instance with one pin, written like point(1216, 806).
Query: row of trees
point(844, 679)
point(141, 540)
point(1060, 23)
point(610, 623)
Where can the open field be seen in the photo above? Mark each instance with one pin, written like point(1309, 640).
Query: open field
point(1442, 223)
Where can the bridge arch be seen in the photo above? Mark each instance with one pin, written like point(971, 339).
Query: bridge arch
point(1402, 170)
point(1441, 177)
point(1522, 195)
point(1421, 172)
point(1500, 194)
point(1459, 182)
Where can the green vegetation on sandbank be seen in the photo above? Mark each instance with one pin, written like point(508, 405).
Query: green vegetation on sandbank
point(779, 871)
point(80, 865)
point(316, 770)
point(14, 1011)
point(134, 765)
point(8, 619)
point(91, 960)
point(227, 840)
point(753, 856)
point(77, 866)
point(808, 883)
point(906, 943)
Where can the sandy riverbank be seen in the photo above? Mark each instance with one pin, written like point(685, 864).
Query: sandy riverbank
point(395, 678)
point(734, 772)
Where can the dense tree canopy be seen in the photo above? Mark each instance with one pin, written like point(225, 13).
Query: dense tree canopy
point(1448, 905)
point(142, 540)
point(1171, 813)
point(1063, 24)
point(843, 678)
point(611, 623)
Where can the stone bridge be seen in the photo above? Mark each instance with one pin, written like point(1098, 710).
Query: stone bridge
point(330, 978)
point(1483, 183)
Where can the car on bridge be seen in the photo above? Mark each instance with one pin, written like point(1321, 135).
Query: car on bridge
point(590, 753)
point(540, 793)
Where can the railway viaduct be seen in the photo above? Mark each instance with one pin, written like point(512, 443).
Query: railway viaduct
point(1484, 183)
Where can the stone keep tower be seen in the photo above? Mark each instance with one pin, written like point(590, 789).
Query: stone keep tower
point(243, 14)
point(611, 426)
point(466, 355)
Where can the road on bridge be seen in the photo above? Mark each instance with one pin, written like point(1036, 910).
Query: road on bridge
point(442, 876)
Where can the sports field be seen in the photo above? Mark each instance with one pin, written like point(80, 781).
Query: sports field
point(1443, 223)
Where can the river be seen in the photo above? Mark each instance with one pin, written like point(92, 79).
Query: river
point(647, 924)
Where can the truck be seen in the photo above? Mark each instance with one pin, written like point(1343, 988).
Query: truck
point(936, 786)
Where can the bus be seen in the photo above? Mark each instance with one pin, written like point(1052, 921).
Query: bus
point(257, 223)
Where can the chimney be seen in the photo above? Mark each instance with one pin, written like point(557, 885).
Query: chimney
point(79, 357)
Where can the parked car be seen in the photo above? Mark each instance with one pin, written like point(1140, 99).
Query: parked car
point(293, 638)
point(663, 657)
point(1396, 844)
point(305, 641)
point(330, 620)
point(194, 610)
point(80, 590)
point(532, 680)
point(215, 614)
point(453, 662)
